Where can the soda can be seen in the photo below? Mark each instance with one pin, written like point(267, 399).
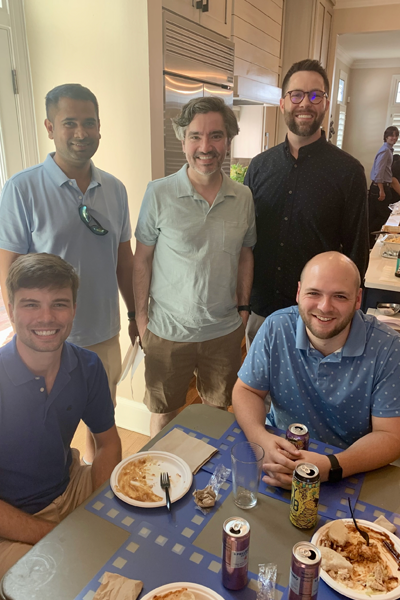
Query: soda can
point(304, 572)
point(298, 435)
point(235, 553)
point(305, 496)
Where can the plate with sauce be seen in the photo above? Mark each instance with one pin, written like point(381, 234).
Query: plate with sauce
point(136, 479)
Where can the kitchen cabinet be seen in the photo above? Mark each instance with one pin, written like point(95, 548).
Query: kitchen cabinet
point(213, 14)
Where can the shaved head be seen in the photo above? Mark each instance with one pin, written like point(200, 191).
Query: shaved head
point(337, 262)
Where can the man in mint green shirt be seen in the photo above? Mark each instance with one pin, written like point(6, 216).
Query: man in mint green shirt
point(193, 268)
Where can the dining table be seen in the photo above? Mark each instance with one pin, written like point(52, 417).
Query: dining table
point(184, 545)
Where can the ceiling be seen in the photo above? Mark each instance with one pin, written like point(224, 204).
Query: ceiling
point(371, 46)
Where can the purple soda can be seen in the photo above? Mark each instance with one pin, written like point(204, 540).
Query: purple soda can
point(298, 435)
point(235, 553)
point(304, 572)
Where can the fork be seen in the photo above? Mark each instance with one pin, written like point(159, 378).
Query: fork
point(364, 534)
point(165, 485)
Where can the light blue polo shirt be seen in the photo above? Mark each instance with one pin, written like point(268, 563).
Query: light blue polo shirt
point(39, 213)
point(334, 395)
point(196, 258)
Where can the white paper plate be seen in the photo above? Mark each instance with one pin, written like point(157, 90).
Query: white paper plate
point(348, 592)
point(179, 472)
point(200, 591)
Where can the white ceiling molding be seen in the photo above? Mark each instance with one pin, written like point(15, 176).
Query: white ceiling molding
point(342, 55)
point(376, 63)
point(340, 4)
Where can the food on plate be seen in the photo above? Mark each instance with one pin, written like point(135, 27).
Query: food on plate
point(136, 479)
point(348, 560)
point(181, 594)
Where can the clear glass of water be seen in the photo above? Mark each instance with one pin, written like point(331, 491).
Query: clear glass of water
point(247, 460)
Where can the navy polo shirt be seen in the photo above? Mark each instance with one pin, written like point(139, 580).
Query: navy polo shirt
point(36, 428)
point(334, 395)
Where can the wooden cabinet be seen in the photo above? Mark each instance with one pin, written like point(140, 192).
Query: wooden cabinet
point(322, 30)
point(213, 14)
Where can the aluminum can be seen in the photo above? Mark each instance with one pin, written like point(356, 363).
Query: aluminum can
point(235, 553)
point(305, 496)
point(298, 435)
point(304, 572)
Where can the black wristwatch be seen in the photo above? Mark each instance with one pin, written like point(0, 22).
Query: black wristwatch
point(245, 307)
point(131, 315)
point(336, 472)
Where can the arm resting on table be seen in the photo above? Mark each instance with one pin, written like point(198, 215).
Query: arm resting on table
point(108, 455)
point(125, 282)
point(6, 260)
point(142, 271)
point(18, 526)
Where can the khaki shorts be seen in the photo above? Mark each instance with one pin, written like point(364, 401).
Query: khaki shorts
point(169, 368)
point(109, 353)
point(78, 490)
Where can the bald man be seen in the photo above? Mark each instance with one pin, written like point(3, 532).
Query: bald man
point(327, 365)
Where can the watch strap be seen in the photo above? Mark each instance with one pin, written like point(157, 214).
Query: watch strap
point(245, 307)
point(336, 471)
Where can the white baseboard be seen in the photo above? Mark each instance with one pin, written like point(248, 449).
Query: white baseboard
point(132, 415)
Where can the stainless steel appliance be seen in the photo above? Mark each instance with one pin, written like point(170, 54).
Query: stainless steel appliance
point(197, 62)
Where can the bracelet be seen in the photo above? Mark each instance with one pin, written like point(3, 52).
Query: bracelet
point(131, 315)
point(245, 307)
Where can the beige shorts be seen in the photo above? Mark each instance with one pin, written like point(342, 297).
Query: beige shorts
point(109, 353)
point(78, 490)
point(169, 367)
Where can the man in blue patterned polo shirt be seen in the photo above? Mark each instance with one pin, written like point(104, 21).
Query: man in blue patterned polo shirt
point(328, 366)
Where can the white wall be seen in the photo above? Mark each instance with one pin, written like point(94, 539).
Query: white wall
point(104, 46)
point(366, 113)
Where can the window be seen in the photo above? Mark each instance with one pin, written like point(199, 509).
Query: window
point(393, 114)
point(341, 124)
point(340, 95)
point(398, 93)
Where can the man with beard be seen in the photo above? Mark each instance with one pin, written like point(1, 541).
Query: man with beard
point(309, 196)
point(328, 366)
point(194, 262)
point(67, 206)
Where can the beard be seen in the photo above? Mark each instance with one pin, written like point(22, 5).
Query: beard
point(327, 335)
point(306, 129)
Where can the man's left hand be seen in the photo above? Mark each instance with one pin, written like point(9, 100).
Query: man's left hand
point(133, 331)
point(319, 460)
point(244, 315)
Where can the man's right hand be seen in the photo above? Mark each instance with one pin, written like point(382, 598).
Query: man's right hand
point(141, 322)
point(280, 461)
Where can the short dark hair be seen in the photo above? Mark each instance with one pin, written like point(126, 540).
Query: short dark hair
point(41, 271)
point(392, 130)
point(75, 91)
point(204, 106)
point(307, 64)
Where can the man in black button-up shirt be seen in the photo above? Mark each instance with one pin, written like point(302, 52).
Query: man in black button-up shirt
point(310, 197)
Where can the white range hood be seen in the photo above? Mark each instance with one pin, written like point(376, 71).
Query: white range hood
point(247, 91)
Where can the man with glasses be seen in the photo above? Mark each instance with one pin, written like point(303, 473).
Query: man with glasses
point(309, 196)
point(67, 206)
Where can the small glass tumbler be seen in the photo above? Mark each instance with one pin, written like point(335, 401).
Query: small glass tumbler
point(247, 460)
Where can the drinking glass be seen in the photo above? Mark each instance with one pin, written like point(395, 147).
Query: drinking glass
point(247, 460)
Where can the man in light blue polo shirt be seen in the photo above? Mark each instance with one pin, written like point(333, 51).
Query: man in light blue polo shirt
point(194, 262)
point(328, 366)
point(66, 206)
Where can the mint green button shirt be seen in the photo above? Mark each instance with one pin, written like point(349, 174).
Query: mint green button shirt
point(196, 258)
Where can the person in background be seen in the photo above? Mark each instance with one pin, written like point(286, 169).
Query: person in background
point(309, 197)
point(194, 262)
point(47, 386)
point(380, 191)
point(67, 206)
point(329, 366)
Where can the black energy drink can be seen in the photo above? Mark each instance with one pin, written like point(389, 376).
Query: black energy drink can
point(298, 435)
point(305, 496)
point(235, 553)
point(304, 572)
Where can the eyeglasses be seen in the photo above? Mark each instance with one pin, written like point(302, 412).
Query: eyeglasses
point(91, 222)
point(315, 96)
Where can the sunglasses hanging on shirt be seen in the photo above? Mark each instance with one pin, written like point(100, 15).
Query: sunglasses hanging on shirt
point(90, 222)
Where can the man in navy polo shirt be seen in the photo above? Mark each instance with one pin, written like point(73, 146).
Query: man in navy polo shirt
point(327, 365)
point(47, 386)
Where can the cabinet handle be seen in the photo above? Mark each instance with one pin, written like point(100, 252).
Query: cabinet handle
point(204, 8)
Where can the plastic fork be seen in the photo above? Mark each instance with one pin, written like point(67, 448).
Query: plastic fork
point(364, 534)
point(165, 485)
